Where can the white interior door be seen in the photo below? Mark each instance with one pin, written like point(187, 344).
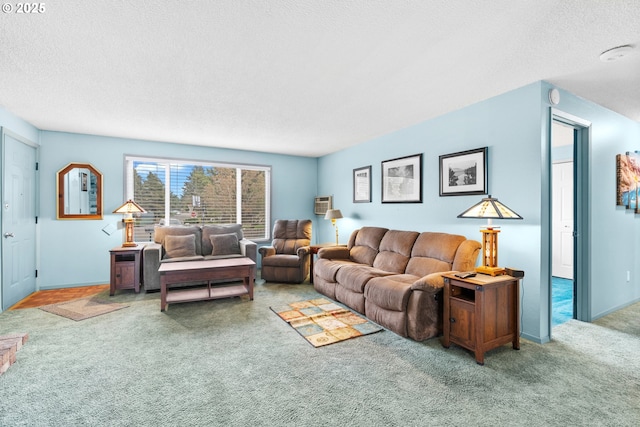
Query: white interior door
point(562, 231)
point(18, 220)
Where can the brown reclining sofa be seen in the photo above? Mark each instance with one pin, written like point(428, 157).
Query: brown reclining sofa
point(394, 277)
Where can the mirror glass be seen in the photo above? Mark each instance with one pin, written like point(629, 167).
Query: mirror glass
point(79, 192)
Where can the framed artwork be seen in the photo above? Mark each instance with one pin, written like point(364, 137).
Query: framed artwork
point(627, 184)
point(402, 180)
point(464, 173)
point(84, 181)
point(362, 185)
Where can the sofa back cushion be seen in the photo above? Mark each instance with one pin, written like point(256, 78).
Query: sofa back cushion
point(433, 252)
point(291, 234)
point(364, 244)
point(395, 250)
point(215, 230)
point(162, 231)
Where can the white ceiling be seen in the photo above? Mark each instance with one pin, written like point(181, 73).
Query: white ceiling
point(301, 77)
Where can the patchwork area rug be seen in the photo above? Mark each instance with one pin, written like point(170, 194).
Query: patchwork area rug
point(322, 322)
point(82, 308)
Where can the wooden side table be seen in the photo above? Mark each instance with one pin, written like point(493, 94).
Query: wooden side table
point(125, 268)
point(314, 251)
point(481, 313)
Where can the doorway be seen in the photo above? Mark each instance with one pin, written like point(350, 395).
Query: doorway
point(18, 218)
point(562, 223)
point(575, 151)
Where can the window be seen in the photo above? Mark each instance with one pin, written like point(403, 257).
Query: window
point(189, 192)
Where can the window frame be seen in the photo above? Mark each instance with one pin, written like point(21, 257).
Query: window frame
point(128, 182)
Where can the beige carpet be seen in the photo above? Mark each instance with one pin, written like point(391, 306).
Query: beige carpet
point(83, 308)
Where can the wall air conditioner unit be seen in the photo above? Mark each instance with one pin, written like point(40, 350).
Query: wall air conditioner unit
point(322, 205)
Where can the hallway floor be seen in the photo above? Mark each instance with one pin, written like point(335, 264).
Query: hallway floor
point(54, 296)
point(561, 300)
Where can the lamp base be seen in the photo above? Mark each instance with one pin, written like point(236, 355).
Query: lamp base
point(491, 271)
point(129, 245)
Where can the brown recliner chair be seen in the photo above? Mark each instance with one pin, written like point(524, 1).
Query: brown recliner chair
point(287, 260)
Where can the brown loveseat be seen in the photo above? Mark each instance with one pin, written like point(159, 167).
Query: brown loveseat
point(394, 277)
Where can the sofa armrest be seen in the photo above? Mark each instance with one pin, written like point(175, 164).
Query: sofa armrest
point(334, 252)
point(466, 255)
point(249, 249)
point(431, 283)
point(266, 251)
point(151, 256)
point(303, 251)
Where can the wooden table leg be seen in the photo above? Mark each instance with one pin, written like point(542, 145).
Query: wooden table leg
point(163, 293)
point(311, 256)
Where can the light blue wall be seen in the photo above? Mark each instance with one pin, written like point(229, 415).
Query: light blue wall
point(76, 253)
point(515, 127)
point(510, 126)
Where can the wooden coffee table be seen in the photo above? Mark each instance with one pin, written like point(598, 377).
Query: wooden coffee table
point(205, 271)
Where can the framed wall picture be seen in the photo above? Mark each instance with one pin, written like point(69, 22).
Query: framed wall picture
point(464, 173)
point(83, 180)
point(402, 180)
point(362, 185)
point(627, 171)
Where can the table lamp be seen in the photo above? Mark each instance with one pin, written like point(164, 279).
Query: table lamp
point(490, 208)
point(128, 209)
point(333, 214)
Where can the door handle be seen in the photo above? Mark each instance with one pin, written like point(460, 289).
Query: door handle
point(6, 235)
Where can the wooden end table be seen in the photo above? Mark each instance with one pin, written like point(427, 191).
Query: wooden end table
point(125, 268)
point(481, 313)
point(206, 271)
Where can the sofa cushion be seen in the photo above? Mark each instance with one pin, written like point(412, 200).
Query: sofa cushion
point(390, 292)
point(282, 261)
point(182, 259)
point(224, 244)
point(366, 243)
point(161, 232)
point(327, 269)
point(217, 229)
point(394, 251)
point(179, 246)
point(355, 277)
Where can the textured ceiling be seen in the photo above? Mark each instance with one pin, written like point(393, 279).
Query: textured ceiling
point(299, 76)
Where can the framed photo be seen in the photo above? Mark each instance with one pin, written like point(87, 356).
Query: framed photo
point(402, 180)
point(464, 173)
point(362, 185)
point(83, 181)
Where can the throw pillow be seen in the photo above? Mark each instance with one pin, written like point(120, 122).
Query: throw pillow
point(179, 246)
point(225, 244)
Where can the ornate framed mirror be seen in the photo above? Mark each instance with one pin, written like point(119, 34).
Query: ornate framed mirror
point(79, 192)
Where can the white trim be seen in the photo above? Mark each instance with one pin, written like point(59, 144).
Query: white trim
point(568, 119)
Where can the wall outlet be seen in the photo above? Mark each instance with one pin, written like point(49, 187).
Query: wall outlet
point(628, 276)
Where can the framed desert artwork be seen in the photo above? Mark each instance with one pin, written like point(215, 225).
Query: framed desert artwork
point(627, 180)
